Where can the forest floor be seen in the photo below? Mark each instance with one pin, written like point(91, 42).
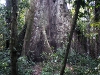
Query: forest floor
point(37, 69)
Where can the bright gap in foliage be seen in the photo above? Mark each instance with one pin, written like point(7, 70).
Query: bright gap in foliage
point(2, 1)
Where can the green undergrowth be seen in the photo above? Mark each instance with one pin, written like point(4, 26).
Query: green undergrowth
point(77, 64)
point(24, 66)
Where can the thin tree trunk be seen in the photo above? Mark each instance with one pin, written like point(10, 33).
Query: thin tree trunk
point(97, 19)
point(13, 45)
point(71, 35)
point(8, 23)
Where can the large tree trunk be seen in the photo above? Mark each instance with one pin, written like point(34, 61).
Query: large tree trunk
point(48, 26)
point(59, 23)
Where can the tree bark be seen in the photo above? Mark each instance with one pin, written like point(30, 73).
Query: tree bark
point(14, 38)
point(48, 26)
point(71, 35)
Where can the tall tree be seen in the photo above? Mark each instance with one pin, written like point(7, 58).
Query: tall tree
point(48, 26)
point(13, 45)
point(77, 7)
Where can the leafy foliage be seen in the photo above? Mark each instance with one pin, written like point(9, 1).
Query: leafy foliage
point(4, 63)
point(24, 66)
point(3, 29)
point(77, 64)
point(23, 5)
point(96, 24)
